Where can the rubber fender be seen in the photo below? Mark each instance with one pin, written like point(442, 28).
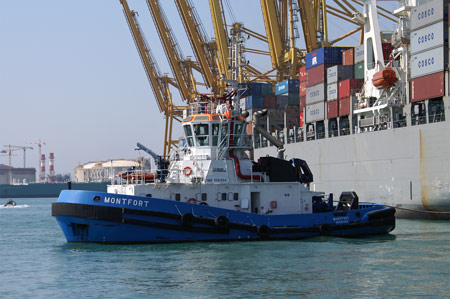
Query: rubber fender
point(221, 222)
point(263, 231)
point(187, 219)
point(324, 229)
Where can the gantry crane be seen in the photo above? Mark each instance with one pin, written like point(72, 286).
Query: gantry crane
point(160, 84)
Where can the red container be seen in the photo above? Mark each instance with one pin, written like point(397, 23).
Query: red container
point(302, 73)
point(387, 50)
point(302, 102)
point(427, 87)
point(347, 57)
point(349, 87)
point(317, 75)
point(302, 119)
point(332, 109)
point(344, 106)
point(303, 88)
point(270, 101)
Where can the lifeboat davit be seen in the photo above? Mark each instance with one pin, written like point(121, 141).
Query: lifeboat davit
point(384, 78)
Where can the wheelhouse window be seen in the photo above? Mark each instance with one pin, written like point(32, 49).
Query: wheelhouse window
point(237, 133)
point(201, 134)
point(215, 134)
point(188, 133)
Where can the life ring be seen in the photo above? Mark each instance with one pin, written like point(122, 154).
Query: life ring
point(192, 200)
point(187, 171)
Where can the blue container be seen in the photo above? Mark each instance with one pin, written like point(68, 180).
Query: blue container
point(282, 101)
point(330, 55)
point(254, 101)
point(287, 86)
point(266, 89)
point(243, 90)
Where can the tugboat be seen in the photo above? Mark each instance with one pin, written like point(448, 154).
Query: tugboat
point(211, 190)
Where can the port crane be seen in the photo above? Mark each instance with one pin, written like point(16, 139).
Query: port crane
point(160, 84)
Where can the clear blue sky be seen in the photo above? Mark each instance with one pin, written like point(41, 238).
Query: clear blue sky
point(70, 75)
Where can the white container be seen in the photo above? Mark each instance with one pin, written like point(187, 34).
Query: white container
point(428, 62)
point(332, 92)
point(339, 72)
point(427, 38)
point(359, 54)
point(315, 94)
point(315, 112)
point(427, 14)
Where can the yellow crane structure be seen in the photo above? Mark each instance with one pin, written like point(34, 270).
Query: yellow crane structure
point(181, 68)
point(205, 50)
point(160, 84)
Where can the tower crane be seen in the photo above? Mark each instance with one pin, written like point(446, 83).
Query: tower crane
point(159, 84)
point(11, 148)
point(39, 143)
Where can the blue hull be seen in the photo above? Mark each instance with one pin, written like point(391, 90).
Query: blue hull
point(98, 217)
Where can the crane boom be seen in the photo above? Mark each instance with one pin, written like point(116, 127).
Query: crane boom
point(159, 84)
point(180, 69)
point(204, 51)
point(218, 19)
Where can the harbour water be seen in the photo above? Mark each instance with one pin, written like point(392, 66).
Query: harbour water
point(413, 261)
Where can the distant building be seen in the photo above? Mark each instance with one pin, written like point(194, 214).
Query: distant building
point(16, 175)
point(106, 171)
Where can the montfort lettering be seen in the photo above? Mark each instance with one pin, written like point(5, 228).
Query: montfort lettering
point(127, 201)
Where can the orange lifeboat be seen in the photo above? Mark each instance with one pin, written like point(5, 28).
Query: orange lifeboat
point(384, 78)
point(131, 176)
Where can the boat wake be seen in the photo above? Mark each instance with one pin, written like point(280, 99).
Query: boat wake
point(14, 207)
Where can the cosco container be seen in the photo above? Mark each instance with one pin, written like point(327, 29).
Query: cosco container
point(428, 62)
point(427, 13)
point(286, 86)
point(349, 87)
point(347, 57)
point(302, 88)
point(345, 105)
point(427, 38)
point(330, 55)
point(427, 87)
point(316, 93)
point(302, 103)
point(339, 72)
point(317, 75)
point(302, 74)
point(315, 112)
point(358, 72)
point(359, 54)
point(332, 109)
point(332, 92)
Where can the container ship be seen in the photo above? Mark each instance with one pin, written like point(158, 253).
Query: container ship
point(371, 118)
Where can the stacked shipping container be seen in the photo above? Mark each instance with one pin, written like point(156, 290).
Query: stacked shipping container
point(429, 50)
point(317, 63)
